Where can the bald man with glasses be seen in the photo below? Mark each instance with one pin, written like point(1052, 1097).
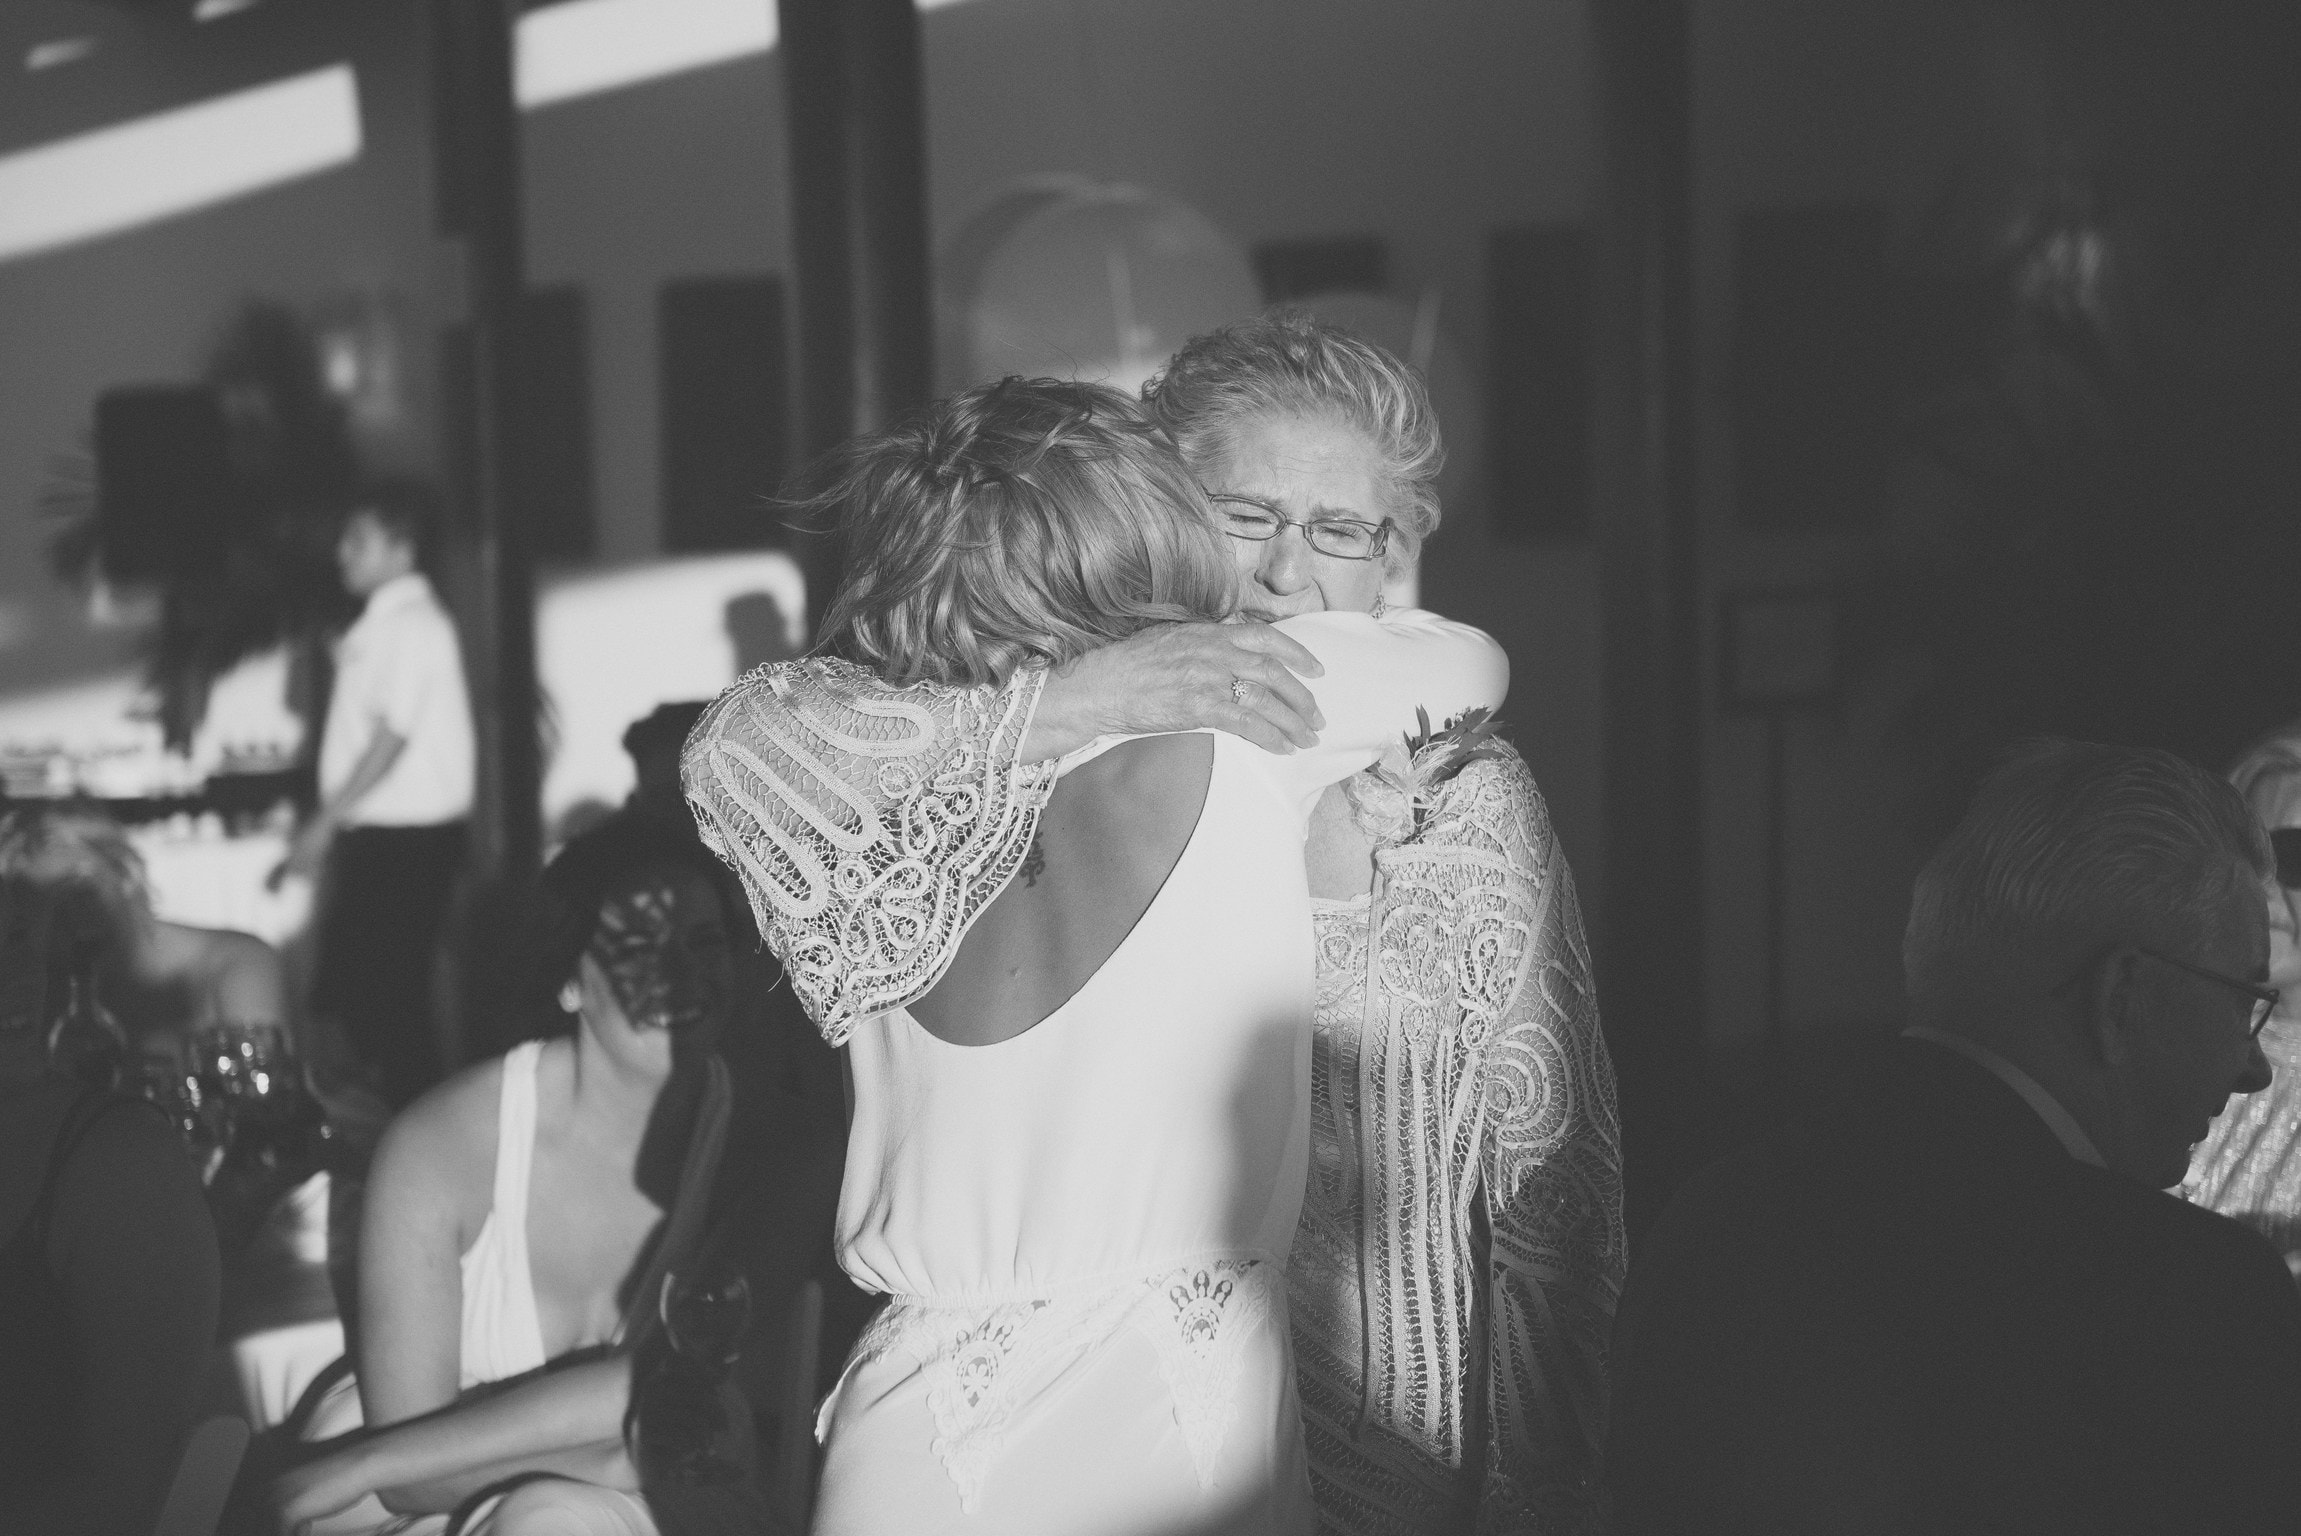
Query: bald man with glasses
point(1956, 1297)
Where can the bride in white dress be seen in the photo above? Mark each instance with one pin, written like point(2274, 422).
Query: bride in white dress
point(1080, 1058)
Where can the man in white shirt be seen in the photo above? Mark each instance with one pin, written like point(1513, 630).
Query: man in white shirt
point(396, 769)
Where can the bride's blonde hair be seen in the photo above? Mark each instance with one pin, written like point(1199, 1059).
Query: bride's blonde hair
point(1025, 521)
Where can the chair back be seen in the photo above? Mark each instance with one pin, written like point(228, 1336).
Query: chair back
point(203, 1479)
point(794, 1495)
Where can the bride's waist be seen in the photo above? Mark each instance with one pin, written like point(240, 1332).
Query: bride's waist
point(917, 1287)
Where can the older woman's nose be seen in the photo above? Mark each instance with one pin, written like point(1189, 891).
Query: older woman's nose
point(1285, 562)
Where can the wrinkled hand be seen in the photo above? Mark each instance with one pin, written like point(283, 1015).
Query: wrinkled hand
point(307, 854)
point(1177, 677)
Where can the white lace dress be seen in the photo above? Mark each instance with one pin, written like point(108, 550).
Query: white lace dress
point(1461, 1248)
point(1083, 1229)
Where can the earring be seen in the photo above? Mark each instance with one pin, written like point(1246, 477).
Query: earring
point(1381, 607)
point(570, 998)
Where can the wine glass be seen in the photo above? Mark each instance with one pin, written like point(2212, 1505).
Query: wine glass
point(166, 1080)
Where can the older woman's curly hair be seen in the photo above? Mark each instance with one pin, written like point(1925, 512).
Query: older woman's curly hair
point(1289, 363)
point(1030, 520)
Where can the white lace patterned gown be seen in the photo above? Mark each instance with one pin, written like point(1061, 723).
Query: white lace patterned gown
point(1082, 1229)
point(1461, 1248)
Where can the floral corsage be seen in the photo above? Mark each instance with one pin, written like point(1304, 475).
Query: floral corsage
point(1393, 799)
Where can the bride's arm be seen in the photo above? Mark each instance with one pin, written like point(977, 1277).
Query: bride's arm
point(869, 824)
point(1382, 678)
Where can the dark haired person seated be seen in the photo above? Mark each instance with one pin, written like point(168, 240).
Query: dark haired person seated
point(510, 1221)
point(108, 1267)
point(653, 742)
point(1957, 1298)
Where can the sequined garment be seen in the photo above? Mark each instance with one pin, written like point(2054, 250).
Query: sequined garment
point(871, 825)
point(2249, 1165)
point(1454, 1276)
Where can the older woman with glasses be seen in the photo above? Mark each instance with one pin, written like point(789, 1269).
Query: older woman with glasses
point(1453, 1274)
point(2249, 1165)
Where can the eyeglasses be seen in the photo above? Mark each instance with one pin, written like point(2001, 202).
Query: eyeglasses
point(1344, 538)
point(2264, 996)
point(2286, 842)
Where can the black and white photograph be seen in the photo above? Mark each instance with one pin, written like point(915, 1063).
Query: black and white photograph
point(1150, 767)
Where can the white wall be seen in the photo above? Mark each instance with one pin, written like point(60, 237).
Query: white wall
point(144, 305)
point(1425, 122)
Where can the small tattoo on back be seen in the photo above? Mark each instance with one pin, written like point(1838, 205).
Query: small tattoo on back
point(1035, 860)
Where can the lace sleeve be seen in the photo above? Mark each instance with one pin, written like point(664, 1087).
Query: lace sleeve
point(870, 825)
point(1551, 1168)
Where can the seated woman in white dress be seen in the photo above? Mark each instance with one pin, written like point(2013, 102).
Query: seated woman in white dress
point(1076, 998)
point(509, 1212)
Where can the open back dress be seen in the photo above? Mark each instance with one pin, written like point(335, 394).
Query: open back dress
point(1082, 1229)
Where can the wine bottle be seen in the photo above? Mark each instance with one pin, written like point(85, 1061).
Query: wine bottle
point(86, 1042)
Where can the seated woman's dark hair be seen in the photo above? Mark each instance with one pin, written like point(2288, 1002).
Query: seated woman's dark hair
point(590, 870)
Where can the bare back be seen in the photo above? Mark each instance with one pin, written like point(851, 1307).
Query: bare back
point(1109, 837)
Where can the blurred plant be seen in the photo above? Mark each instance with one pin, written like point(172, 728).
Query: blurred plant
point(292, 471)
point(2098, 503)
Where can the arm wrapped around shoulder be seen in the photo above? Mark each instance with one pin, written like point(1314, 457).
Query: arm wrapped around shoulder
point(870, 825)
point(1383, 678)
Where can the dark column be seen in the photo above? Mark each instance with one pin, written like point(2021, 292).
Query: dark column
point(1650, 933)
point(476, 165)
point(852, 89)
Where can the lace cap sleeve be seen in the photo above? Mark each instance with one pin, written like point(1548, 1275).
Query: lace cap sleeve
point(871, 825)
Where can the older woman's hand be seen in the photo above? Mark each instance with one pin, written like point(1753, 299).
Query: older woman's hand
point(1179, 677)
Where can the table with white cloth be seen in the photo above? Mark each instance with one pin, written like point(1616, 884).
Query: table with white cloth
point(205, 875)
point(283, 1325)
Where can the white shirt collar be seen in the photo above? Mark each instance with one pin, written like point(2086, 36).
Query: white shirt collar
point(2058, 1120)
point(399, 592)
